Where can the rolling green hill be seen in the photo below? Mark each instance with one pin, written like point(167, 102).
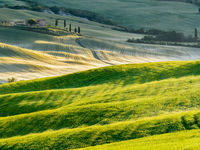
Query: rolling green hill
point(99, 106)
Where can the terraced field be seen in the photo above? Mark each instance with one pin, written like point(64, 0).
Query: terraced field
point(100, 106)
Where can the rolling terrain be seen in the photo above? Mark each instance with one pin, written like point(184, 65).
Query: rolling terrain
point(94, 90)
point(100, 106)
point(136, 14)
point(27, 54)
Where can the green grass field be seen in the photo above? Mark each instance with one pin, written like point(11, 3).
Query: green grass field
point(179, 141)
point(100, 106)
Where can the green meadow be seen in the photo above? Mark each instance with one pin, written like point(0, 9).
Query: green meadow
point(100, 106)
point(179, 141)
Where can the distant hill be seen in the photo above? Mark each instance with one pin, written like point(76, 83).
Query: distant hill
point(164, 15)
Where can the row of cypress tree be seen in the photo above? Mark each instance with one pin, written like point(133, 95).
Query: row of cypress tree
point(76, 29)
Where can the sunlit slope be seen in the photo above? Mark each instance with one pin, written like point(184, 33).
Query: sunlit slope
point(123, 74)
point(70, 56)
point(72, 53)
point(137, 53)
point(22, 63)
point(68, 110)
point(180, 140)
point(165, 15)
point(101, 134)
point(99, 106)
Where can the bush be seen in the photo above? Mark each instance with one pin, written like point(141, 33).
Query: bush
point(32, 21)
point(11, 80)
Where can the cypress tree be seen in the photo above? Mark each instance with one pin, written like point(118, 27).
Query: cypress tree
point(195, 33)
point(75, 30)
point(64, 23)
point(56, 23)
point(70, 28)
point(79, 30)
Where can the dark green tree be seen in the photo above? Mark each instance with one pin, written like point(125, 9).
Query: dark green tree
point(65, 23)
point(70, 28)
point(56, 22)
point(75, 30)
point(79, 30)
point(11, 80)
point(195, 33)
point(32, 21)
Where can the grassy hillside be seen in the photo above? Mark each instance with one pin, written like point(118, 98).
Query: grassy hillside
point(179, 140)
point(104, 105)
point(23, 63)
point(88, 136)
point(126, 74)
point(165, 15)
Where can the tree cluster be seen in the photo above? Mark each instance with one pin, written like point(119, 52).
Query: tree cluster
point(170, 36)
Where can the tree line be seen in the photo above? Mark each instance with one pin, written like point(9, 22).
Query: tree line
point(166, 36)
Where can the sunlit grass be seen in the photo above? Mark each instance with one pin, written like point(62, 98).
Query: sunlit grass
point(99, 106)
point(179, 141)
